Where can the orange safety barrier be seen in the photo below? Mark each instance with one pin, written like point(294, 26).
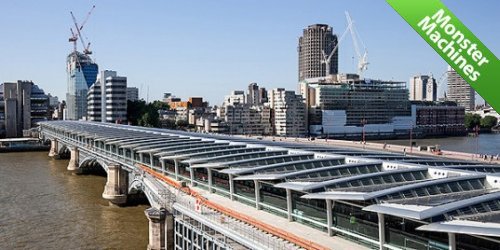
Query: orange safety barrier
point(239, 216)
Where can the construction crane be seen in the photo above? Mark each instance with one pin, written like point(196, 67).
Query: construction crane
point(362, 59)
point(441, 82)
point(75, 36)
point(327, 58)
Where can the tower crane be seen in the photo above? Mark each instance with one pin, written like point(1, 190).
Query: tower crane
point(440, 83)
point(75, 36)
point(327, 58)
point(362, 59)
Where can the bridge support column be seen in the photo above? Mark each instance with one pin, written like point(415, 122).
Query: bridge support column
point(210, 180)
point(161, 229)
point(289, 204)
point(257, 194)
point(116, 188)
point(330, 205)
point(381, 230)
point(53, 148)
point(176, 169)
point(231, 187)
point(74, 159)
point(452, 242)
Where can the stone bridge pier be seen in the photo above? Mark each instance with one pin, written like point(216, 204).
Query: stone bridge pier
point(116, 188)
point(161, 229)
point(74, 159)
point(53, 148)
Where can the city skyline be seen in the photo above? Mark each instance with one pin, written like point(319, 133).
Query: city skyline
point(168, 46)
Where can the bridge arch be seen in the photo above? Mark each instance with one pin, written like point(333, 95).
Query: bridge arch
point(92, 162)
point(63, 151)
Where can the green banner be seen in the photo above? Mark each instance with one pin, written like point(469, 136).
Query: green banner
point(461, 49)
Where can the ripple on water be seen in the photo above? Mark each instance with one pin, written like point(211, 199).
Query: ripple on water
point(43, 206)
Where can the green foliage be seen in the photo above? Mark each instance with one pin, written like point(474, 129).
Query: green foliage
point(182, 123)
point(489, 121)
point(145, 114)
point(472, 120)
point(170, 124)
point(135, 109)
point(159, 105)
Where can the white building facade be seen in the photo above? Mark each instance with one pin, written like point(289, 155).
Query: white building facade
point(288, 113)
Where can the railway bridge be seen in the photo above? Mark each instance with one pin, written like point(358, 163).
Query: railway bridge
point(225, 192)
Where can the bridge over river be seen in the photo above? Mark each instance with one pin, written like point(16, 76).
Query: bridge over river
point(223, 192)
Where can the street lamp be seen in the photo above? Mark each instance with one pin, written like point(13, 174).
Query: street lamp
point(363, 122)
point(411, 137)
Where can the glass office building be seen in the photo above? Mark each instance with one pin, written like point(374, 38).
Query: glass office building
point(82, 73)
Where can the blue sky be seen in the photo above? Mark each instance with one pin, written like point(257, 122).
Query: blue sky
point(207, 48)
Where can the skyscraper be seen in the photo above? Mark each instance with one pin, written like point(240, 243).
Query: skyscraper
point(82, 73)
point(423, 88)
point(460, 91)
point(316, 41)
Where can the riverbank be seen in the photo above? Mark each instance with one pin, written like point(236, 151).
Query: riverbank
point(22, 145)
point(484, 144)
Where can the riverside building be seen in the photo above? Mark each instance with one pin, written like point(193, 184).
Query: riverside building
point(423, 88)
point(23, 106)
point(460, 91)
point(346, 105)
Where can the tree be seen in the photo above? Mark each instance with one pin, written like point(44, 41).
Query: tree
point(168, 123)
point(472, 120)
point(135, 109)
point(159, 105)
point(182, 123)
point(145, 114)
point(489, 121)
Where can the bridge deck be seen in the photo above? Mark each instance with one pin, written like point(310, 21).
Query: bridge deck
point(311, 184)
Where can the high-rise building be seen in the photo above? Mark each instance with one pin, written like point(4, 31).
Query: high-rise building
point(96, 97)
point(24, 105)
point(116, 99)
point(253, 94)
point(53, 100)
point(423, 88)
point(460, 91)
point(132, 94)
point(94, 103)
point(317, 40)
point(256, 95)
point(82, 73)
point(288, 115)
point(263, 95)
point(107, 98)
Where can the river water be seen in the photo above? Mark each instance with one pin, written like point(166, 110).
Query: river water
point(44, 206)
point(483, 144)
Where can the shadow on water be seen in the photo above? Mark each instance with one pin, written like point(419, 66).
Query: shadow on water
point(134, 198)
